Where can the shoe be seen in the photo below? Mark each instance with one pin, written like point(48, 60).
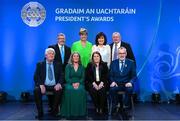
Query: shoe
point(49, 110)
point(97, 111)
point(39, 116)
point(115, 111)
point(100, 111)
point(55, 113)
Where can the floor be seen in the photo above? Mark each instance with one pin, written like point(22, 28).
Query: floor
point(143, 111)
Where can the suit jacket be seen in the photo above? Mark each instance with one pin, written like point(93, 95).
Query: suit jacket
point(40, 73)
point(58, 58)
point(130, 54)
point(127, 75)
point(91, 75)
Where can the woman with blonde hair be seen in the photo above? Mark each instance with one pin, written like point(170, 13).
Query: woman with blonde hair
point(74, 98)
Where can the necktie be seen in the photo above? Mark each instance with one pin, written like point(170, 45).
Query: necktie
point(115, 52)
point(50, 73)
point(121, 66)
point(62, 54)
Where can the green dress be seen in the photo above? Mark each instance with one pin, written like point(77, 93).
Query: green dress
point(85, 52)
point(74, 100)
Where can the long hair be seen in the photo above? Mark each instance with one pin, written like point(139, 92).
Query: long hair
point(96, 52)
point(71, 58)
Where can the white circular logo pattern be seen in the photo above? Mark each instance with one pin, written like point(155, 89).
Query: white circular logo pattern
point(33, 14)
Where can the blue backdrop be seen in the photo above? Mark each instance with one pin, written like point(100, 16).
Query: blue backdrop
point(152, 29)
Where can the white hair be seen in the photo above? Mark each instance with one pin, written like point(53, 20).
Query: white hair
point(49, 50)
point(61, 34)
point(116, 33)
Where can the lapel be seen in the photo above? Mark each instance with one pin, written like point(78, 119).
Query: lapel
point(65, 48)
point(55, 68)
point(58, 52)
point(94, 71)
point(125, 68)
point(117, 66)
point(44, 69)
point(100, 69)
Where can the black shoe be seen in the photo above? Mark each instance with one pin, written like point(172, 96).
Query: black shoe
point(100, 111)
point(125, 114)
point(55, 113)
point(39, 116)
point(115, 111)
point(49, 110)
point(97, 111)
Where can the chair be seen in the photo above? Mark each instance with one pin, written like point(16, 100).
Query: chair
point(121, 93)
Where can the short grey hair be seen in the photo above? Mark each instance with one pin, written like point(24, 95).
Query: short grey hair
point(48, 50)
point(122, 48)
point(116, 33)
point(61, 34)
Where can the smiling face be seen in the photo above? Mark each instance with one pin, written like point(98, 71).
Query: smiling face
point(96, 58)
point(122, 53)
point(116, 38)
point(61, 40)
point(75, 58)
point(83, 37)
point(50, 56)
point(101, 40)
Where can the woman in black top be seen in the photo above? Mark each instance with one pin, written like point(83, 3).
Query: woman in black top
point(97, 82)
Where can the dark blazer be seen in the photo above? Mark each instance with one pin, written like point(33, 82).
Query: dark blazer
point(127, 75)
point(130, 54)
point(91, 75)
point(58, 56)
point(40, 73)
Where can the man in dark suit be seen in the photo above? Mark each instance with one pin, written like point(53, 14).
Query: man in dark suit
point(63, 52)
point(122, 77)
point(117, 42)
point(48, 78)
point(62, 56)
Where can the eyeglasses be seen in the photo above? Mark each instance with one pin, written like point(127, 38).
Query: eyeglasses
point(60, 38)
point(122, 53)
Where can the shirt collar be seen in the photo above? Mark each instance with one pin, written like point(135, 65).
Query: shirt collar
point(49, 62)
point(119, 44)
point(122, 61)
point(60, 45)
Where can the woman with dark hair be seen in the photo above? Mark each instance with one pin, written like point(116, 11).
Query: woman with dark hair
point(102, 47)
point(74, 98)
point(97, 82)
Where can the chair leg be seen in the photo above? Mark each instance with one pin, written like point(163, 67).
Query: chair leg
point(110, 105)
point(132, 105)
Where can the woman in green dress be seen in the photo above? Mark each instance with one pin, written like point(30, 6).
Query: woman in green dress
point(83, 47)
point(74, 98)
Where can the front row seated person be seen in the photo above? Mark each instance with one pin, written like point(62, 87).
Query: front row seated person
point(48, 77)
point(122, 77)
point(97, 82)
point(74, 96)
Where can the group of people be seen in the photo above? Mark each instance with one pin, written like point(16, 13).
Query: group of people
point(70, 72)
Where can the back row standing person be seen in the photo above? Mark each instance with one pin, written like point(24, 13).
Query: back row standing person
point(63, 52)
point(117, 42)
point(102, 47)
point(83, 46)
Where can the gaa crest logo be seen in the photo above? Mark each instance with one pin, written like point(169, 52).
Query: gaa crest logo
point(33, 14)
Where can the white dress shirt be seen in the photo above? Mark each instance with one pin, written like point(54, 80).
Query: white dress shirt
point(105, 52)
